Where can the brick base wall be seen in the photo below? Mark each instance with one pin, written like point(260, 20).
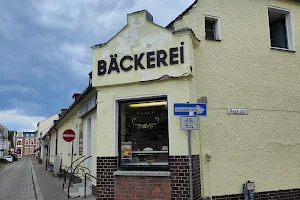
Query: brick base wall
point(142, 187)
point(106, 166)
point(179, 181)
point(293, 194)
point(94, 190)
point(139, 187)
point(196, 177)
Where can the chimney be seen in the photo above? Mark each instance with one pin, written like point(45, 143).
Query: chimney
point(90, 77)
point(63, 111)
point(75, 96)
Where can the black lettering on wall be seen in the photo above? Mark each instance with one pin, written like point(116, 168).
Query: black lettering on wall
point(126, 69)
point(137, 61)
point(150, 59)
point(182, 53)
point(173, 56)
point(101, 67)
point(161, 58)
point(113, 66)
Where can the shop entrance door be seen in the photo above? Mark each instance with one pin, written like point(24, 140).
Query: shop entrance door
point(88, 142)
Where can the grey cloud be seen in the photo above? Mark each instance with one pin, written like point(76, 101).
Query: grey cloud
point(17, 88)
point(27, 107)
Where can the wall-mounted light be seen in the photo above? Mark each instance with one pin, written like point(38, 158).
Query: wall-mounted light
point(139, 105)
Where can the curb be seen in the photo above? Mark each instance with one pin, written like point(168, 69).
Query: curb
point(5, 166)
point(38, 193)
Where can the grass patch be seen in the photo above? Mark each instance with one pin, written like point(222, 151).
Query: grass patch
point(3, 164)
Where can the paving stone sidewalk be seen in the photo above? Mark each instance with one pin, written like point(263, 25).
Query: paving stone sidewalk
point(51, 187)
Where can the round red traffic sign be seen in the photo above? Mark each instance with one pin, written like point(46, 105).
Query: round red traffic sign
point(68, 135)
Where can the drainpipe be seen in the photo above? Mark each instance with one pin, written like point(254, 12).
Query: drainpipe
point(56, 140)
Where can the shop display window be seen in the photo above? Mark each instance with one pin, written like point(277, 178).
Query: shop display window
point(143, 135)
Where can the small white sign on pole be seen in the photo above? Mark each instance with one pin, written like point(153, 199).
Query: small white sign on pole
point(189, 123)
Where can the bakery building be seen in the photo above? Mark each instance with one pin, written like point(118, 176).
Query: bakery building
point(240, 58)
point(242, 62)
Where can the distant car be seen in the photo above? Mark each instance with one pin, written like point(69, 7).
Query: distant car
point(8, 158)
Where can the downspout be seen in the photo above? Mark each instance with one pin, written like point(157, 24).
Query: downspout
point(201, 163)
point(56, 140)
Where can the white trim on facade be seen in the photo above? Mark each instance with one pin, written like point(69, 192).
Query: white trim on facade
point(217, 25)
point(289, 23)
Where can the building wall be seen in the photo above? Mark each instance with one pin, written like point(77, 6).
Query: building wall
point(43, 125)
point(242, 71)
point(64, 149)
point(4, 146)
point(22, 137)
point(176, 90)
point(29, 146)
point(43, 128)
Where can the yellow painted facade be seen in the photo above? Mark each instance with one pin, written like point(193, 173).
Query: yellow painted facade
point(44, 125)
point(72, 121)
point(240, 71)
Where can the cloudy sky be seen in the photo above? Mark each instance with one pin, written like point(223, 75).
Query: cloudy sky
point(45, 50)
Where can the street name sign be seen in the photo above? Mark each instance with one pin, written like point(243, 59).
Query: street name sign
point(189, 123)
point(68, 135)
point(185, 109)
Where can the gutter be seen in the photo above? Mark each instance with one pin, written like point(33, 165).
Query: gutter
point(56, 140)
point(84, 93)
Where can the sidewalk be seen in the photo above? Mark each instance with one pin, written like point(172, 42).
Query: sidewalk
point(51, 187)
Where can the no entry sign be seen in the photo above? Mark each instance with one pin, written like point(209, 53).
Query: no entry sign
point(69, 135)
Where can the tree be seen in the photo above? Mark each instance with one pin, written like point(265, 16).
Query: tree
point(11, 137)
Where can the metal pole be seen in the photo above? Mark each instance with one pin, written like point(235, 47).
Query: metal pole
point(72, 157)
point(85, 185)
point(71, 170)
point(190, 164)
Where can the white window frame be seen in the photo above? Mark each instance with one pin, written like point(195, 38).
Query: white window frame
point(289, 27)
point(26, 141)
point(31, 141)
point(19, 141)
point(116, 118)
point(26, 150)
point(217, 26)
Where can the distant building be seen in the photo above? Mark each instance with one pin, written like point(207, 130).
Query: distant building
point(25, 143)
point(42, 144)
point(4, 144)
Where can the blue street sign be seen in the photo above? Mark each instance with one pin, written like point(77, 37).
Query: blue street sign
point(184, 109)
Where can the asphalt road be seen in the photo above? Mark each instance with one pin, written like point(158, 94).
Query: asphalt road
point(16, 181)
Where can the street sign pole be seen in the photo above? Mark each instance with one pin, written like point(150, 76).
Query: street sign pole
point(72, 156)
point(190, 164)
point(189, 121)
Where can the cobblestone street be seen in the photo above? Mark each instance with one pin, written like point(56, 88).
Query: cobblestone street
point(16, 181)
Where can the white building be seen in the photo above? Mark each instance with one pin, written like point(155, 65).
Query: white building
point(43, 128)
point(4, 143)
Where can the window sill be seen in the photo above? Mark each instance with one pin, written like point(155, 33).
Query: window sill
point(282, 49)
point(213, 39)
point(142, 173)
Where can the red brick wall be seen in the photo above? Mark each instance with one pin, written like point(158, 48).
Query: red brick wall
point(106, 166)
point(180, 185)
point(142, 187)
point(196, 177)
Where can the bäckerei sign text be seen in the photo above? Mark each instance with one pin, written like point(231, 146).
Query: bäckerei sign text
point(153, 59)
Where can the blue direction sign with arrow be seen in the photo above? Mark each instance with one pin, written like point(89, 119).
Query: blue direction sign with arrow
point(184, 109)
